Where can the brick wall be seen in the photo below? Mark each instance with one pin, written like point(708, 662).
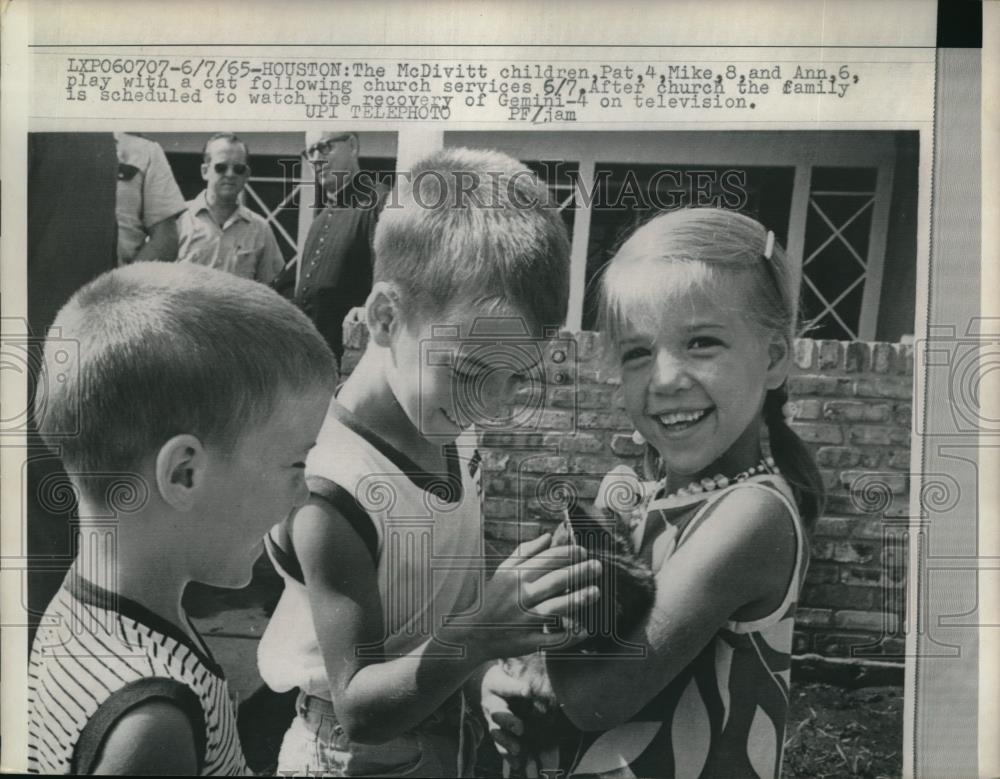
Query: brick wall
point(854, 402)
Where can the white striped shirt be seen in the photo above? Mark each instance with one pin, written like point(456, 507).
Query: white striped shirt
point(99, 655)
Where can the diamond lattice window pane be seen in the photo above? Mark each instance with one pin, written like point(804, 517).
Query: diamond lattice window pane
point(838, 230)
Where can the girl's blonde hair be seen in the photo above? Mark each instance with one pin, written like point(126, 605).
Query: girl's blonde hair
point(673, 253)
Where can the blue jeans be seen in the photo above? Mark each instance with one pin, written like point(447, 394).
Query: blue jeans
point(316, 745)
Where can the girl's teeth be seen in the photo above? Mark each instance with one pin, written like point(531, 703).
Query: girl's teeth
point(681, 416)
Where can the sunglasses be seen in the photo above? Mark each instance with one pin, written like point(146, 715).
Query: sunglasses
point(322, 148)
point(238, 168)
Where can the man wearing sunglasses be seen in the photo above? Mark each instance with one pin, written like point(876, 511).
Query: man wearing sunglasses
point(334, 272)
point(217, 230)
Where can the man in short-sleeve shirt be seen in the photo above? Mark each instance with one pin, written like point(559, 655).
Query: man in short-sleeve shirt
point(147, 202)
point(216, 229)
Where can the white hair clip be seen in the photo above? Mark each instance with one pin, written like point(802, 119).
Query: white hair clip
point(769, 245)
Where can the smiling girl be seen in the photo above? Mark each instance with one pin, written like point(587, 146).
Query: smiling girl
point(699, 307)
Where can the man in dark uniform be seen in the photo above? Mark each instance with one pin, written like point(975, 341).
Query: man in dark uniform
point(334, 271)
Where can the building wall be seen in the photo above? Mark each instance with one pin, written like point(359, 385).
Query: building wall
point(896, 312)
point(855, 414)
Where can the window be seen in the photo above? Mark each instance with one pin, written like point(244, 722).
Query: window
point(836, 258)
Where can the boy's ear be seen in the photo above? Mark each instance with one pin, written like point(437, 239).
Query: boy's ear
point(382, 313)
point(204, 171)
point(779, 356)
point(180, 471)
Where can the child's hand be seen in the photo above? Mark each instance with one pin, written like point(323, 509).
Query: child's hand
point(537, 581)
point(505, 728)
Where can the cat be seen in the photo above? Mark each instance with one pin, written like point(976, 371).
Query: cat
point(628, 589)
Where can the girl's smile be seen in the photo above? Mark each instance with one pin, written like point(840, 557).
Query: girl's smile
point(679, 422)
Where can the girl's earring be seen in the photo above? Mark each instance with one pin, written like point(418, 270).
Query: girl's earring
point(638, 438)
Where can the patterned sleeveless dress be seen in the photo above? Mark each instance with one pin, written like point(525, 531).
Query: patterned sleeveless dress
point(724, 715)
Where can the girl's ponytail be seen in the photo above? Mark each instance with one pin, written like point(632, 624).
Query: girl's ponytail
point(793, 458)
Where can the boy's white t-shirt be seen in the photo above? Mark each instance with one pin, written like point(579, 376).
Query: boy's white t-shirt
point(425, 533)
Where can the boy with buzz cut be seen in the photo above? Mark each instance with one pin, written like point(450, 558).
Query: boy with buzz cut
point(183, 402)
point(384, 615)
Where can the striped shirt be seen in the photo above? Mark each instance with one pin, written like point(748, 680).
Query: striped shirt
point(99, 655)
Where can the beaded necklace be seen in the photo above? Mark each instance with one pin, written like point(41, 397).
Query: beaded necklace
point(718, 482)
point(634, 519)
point(647, 493)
